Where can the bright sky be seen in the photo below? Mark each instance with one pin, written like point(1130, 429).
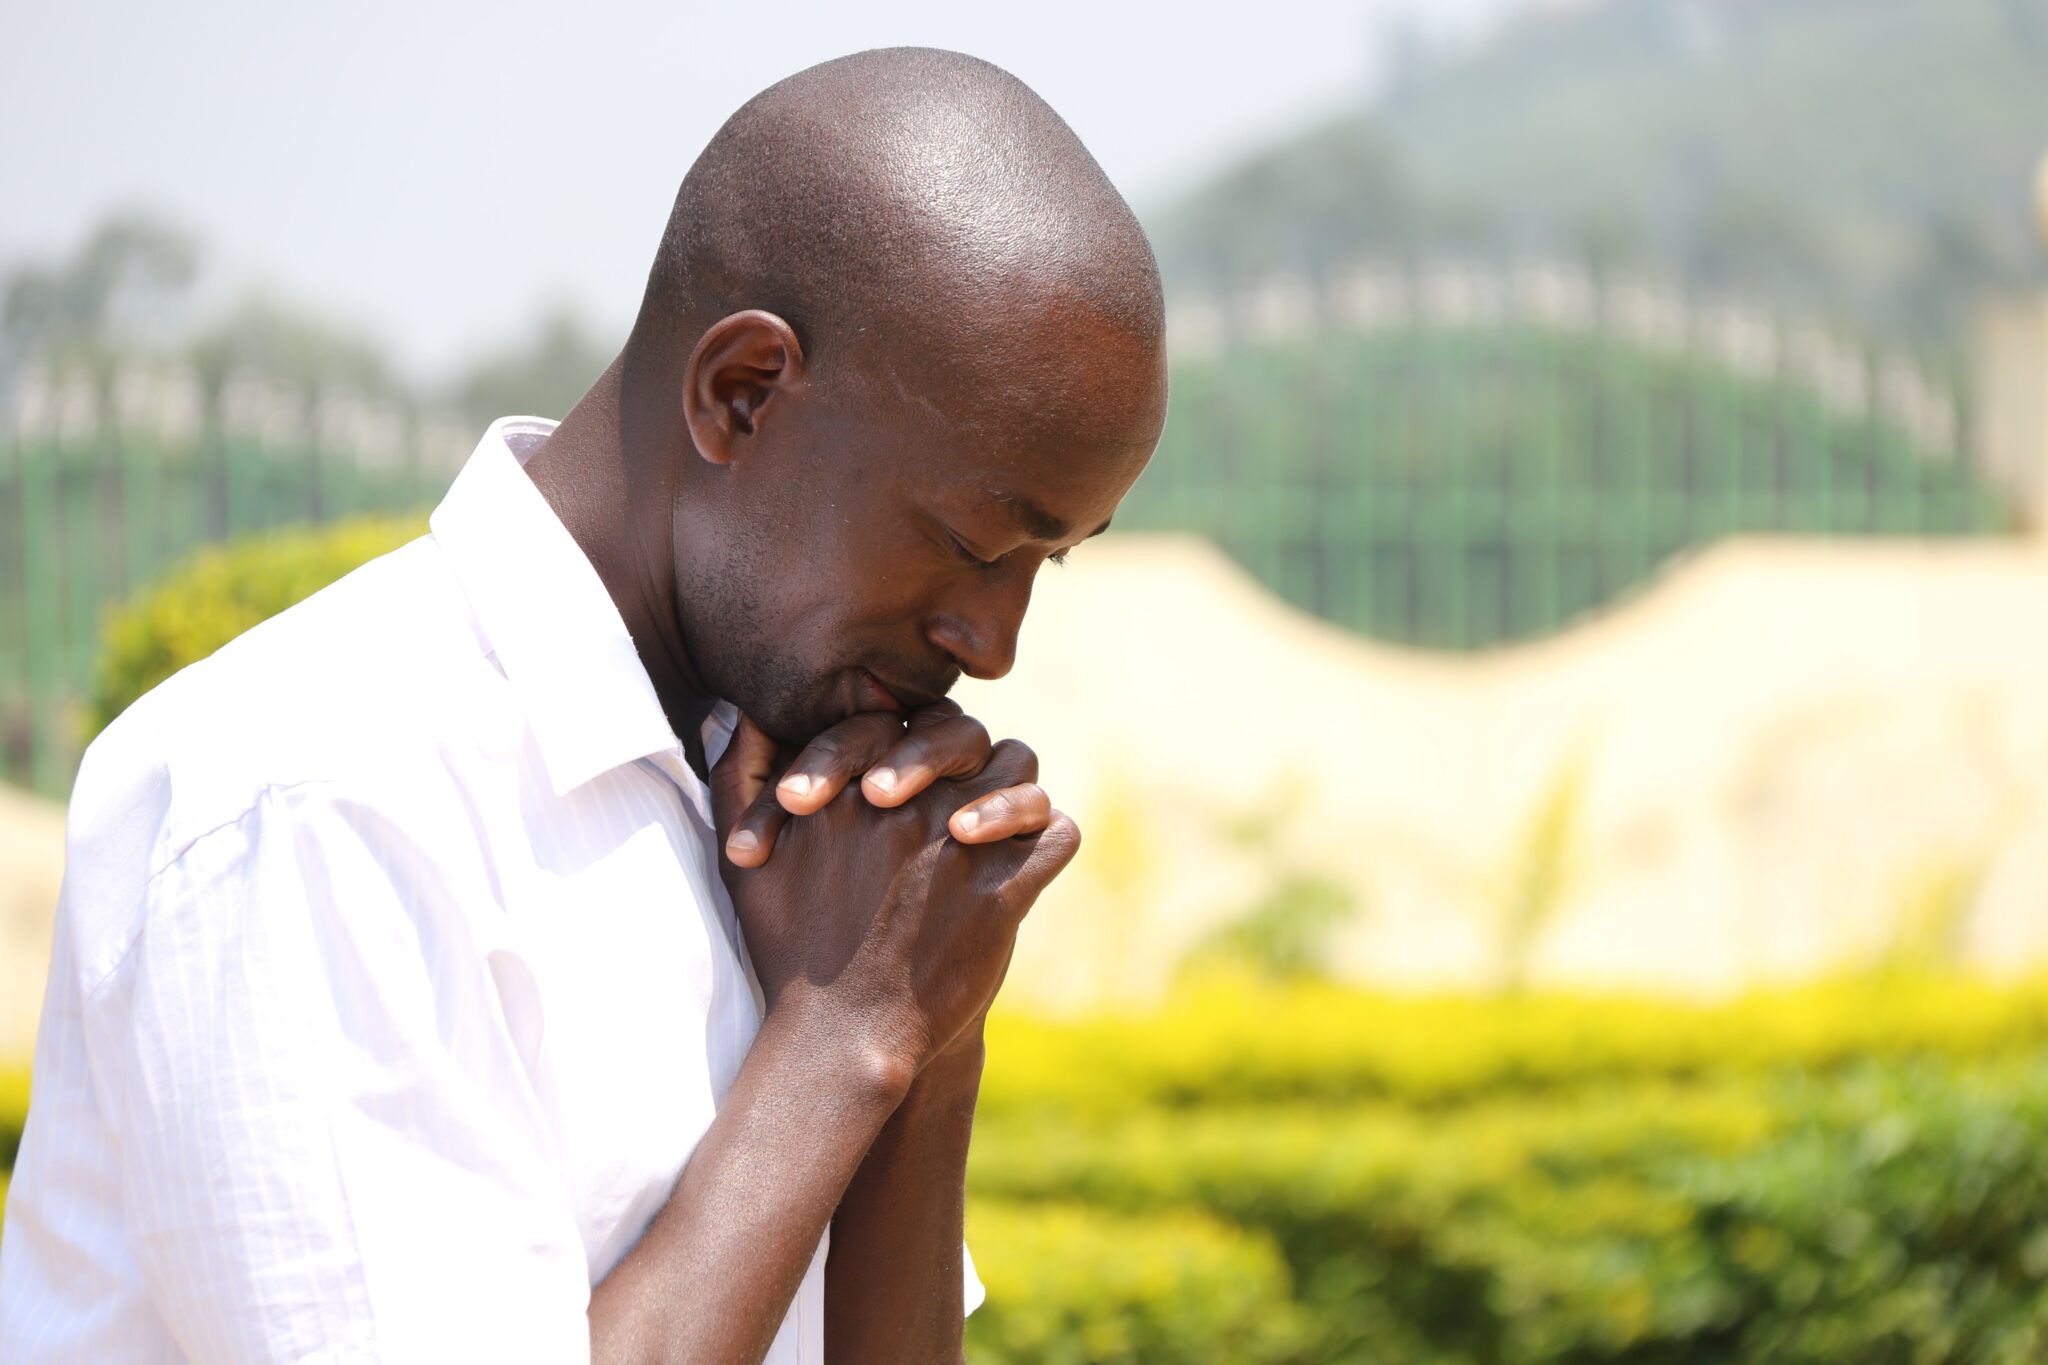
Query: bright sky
point(437, 171)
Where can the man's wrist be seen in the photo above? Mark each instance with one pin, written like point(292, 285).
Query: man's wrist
point(863, 1062)
point(964, 1055)
point(952, 1079)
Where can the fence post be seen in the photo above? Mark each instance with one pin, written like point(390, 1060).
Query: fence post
point(41, 622)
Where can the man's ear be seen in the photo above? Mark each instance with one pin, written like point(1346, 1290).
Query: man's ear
point(742, 366)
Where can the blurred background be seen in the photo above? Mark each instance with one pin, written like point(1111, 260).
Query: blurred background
point(1562, 725)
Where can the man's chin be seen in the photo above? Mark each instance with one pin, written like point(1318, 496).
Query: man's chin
point(792, 731)
point(794, 723)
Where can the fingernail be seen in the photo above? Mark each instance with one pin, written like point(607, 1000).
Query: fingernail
point(797, 784)
point(966, 821)
point(884, 779)
point(743, 841)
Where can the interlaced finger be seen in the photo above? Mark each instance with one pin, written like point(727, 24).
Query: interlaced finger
point(752, 837)
point(742, 797)
point(747, 765)
point(1004, 814)
point(1010, 763)
point(1046, 855)
point(948, 744)
point(835, 757)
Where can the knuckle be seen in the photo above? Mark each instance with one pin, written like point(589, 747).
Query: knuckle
point(825, 751)
point(972, 736)
point(872, 725)
point(1004, 890)
point(1014, 755)
point(899, 816)
point(912, 751)
point(1010, 900)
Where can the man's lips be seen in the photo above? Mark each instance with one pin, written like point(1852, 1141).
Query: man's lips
point(877, 695)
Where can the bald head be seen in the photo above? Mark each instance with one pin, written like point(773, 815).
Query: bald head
point(902, 346)
point(878, 197)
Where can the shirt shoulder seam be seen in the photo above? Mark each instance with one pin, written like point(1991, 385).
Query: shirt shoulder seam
point(93, 986)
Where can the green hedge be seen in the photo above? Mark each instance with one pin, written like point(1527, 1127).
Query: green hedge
point(13, 1113)
point(1073, 1285)
point(1565, 1179)
point(1783, 1221)
point(1234, 1040)
point(1853, 1172)
point(220, 592)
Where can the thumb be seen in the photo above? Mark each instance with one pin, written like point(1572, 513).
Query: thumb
point(746, 767)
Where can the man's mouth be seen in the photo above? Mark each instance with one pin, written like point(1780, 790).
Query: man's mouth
point(874, 694)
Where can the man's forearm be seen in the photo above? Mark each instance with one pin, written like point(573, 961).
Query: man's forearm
point(713, 1277)
point(893, 1283)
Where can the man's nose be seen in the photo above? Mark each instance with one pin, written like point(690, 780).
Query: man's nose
point(981, 632)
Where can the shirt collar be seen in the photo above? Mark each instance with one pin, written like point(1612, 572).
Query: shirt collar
point(545, 614)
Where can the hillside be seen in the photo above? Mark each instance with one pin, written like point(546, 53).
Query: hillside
point(1866, 159)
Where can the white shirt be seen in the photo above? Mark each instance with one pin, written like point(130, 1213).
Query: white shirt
point(394, 980)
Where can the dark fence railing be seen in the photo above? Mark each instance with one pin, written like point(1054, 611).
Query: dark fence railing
point(1447, 457)
point(1462, 459)
point(102, 485)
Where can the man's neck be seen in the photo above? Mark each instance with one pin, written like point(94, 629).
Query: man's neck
point(584, 473)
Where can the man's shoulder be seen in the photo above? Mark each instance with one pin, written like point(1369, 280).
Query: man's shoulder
point(355, 684)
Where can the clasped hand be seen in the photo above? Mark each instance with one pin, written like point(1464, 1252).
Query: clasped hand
point(888, 908)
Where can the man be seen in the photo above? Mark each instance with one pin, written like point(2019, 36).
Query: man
point(402, 1006)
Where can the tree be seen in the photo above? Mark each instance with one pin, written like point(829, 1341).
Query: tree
point(124, 285)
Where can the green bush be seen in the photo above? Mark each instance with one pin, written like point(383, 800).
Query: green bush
point(1856, 1171)
point(1070, 1285)
point(1234, 1041)
point(222, 591)
point(1570, 1179)
point(1789, 1221)
point(13, 1113)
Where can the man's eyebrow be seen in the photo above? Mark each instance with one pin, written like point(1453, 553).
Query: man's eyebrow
point(1034, 520)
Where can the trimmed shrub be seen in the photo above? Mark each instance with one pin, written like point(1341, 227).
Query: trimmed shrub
point(1645, 1200)
point(220, 592)
point(1070, 1285)
point(1856, 1171)
point(13, 1113)
point(1230, 1039)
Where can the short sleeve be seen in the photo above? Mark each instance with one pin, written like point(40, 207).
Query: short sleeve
point(330, 1147)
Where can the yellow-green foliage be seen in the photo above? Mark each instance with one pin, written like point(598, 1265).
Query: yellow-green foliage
point(1232, 1038)
point(13, 1112)
point(1855, 1171)
point(1851, 1171)
point(1072, 1285)
point(220, 592)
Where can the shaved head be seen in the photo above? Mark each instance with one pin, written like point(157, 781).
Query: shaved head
point(902, 345)
point(866, 198)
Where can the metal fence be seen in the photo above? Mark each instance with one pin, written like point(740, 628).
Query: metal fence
point(1446, 457)
point(1454, 457)
point(104, 482)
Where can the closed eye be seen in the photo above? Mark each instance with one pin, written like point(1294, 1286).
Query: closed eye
point(963, 552)
point(1057, 557)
